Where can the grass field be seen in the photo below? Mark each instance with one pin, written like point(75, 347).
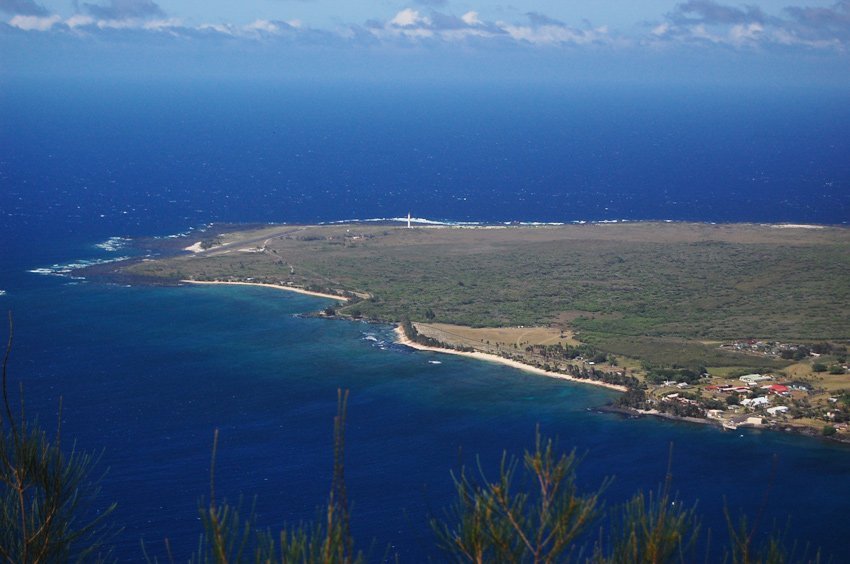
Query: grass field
point(505, 336)
point(657, 291)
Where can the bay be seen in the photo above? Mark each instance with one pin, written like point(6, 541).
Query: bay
point(147, 374)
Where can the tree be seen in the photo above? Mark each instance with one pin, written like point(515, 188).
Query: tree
point(652, 529)
point(45, 493)
point(801, 353)
point(228, 539)
point(490, 522)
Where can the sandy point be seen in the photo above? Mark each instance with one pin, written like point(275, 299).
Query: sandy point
point(273, 286)
point(195, 248)
point(402, 339)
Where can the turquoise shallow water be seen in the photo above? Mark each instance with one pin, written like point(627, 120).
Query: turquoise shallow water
point(147, 374)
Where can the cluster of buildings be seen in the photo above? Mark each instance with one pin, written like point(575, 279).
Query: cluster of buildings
point(757, 400)
point(766, 348)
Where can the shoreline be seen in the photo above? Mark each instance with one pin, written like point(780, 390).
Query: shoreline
point(402, 339)
point(632, 412)
point(274, 286)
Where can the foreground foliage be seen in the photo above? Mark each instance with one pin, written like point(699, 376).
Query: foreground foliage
point(229, 539)
point(538, 515)
point(491, 522)
point(45, 494)
point(532, 511)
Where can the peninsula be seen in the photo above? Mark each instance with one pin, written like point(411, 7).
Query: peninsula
point(737, 324)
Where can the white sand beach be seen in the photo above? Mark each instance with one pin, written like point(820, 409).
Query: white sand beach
point(194, 248)
point(274, 286)
point(401, 338)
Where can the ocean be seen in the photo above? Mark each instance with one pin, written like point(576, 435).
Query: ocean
point(146, 374)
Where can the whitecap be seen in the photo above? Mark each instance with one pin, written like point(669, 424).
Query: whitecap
point(113, 244)
point(67, 269)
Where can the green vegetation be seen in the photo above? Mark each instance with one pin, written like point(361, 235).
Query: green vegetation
point(210, 243)
point(627, 304)
point(652, 528)
point(492, 522)
point(539, 516)
point(228, 539)
point(530, 512)
point(660, 375)
point(670, 351)
point(664, 292)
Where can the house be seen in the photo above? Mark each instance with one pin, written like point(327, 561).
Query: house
point(779, 389)
point(754, 378)
point(777, 410)
point(756, 402)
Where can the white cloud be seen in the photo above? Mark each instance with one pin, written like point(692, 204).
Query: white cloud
point(409, 18)
point(471, 18)
point(789, 39)
point(550, 34)
point(157, 25)
point(411, 24)
point(748, 27)
point(661, 29)
point(119, 24)
point(704, 23)
point(743, 33)
point(263, 25)
point(224, 29)
point(79, 20)
point(34, 23)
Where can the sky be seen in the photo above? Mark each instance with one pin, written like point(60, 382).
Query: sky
point(776, 41)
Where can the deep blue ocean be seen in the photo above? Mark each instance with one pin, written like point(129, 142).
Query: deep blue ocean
point(146, 374)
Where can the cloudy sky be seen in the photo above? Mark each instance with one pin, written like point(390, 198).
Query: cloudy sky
point(806, 40)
